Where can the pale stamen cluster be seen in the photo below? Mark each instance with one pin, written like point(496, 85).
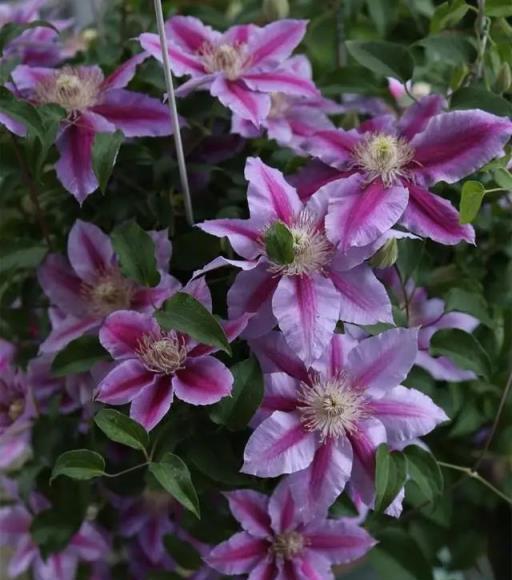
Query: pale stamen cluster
point(383, 156)
point(332, 407)
point(164, 353)
point(312, 251)
point(230, 59)
point(111, 291)
point(287, 545)
point(73, 88)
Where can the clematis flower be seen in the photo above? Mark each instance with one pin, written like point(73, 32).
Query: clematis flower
point(242, 67)
point(386, 169)
point(292, 118)
point(93, 104)
point(154, 365)
point(17, 409)
point(319, 286)
point(429, 315)
point(279, 541)
point(88, 285)
point(327, 420)
point(87, 545)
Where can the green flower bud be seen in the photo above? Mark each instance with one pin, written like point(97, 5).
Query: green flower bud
point(386, 256)
point(275, 9)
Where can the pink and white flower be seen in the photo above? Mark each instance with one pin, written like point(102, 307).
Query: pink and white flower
point(242, 67)
point(155, 364)
point(280, 541)
point(320, 286)
point(324, 423)
point(386, 169)
point(88, 284)
point(93, 104)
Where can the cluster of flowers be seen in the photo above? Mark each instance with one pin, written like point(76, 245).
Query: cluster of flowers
point(331, 398)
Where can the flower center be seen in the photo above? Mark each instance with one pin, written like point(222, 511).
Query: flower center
point(163, 354)
point(227, 58)
point(288, 545)
point(73, 88)
point(383, 156)
point(16, 409)
point(109, 293)
point(312, 251)
point(332, 407)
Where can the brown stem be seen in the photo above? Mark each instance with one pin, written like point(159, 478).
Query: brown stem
point(30, 183)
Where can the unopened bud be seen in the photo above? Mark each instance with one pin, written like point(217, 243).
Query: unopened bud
point(275, 9)
point(386, 256)
point(503, 79)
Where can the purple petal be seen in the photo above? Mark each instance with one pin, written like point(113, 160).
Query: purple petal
point(334, 358)
point(307, 308)
point(198, 289)
point(333, 147)
point(275, 356)
point(90, 251)
point(265, 570)
point(280, 81)
point(314, 175)
point(163, 248)
point(434, 217)
point(280, 395)
point(406, 413)
point(269, 194)
point(275, 42)
point(123, 331)
point(382, 362)
point(203, 381)
point(364, 299)
point(239, 34)
point(61, 285)
point(13, 125)
point(279, 445)
point(340, 541)
point(124, 73)
point(316, 488)
point(238, 555)
point(66, 331)
point(24, 555)
point(27, 77)
point(416, 117)
point(151, 405)
point(252, 292)
point(74, 168)
point(147, 299)
point(360, 212)
point(458, 143)
point(90, 543)
point(60, 566)
point(14, 522)
point(235, 95)
point(285, 513)
point(442, 368)
point(182, 62)
point(135, 114)
point(190, 33)
point(250, 509)
point(243, 235)
point(124, 382)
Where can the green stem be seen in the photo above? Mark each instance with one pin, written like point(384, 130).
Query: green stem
point(129, 470)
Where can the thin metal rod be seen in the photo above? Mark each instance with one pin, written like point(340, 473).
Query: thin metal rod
point(173, 110)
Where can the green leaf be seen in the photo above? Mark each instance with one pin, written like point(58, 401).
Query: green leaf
point(383, 13)
point(104, 153)
point(79, 464)
point(236, 411)
point(448, 14)
point(184, 313)
point(279, 244)
point(351, 79)
point(21, 111)
point(463, 349)
point(472, 194)
point(423, 469)
point(503, 178)
point(473, 303)
point(384, 58)
point(185, 555)
point(120, 428)
point(78, 356)
point(14, 257)
point(390, 474)
point(450, 48)
point(498, 8)
point(173, 475)
point(136, 252)
point(477, 98)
